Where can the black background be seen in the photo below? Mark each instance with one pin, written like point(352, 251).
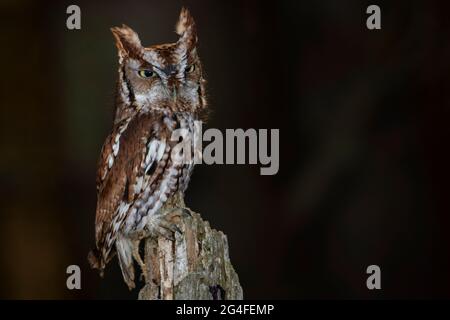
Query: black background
point(363, 118)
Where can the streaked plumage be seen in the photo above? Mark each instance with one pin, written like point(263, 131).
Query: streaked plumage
point(139, 169)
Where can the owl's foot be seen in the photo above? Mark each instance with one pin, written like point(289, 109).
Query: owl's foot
point(165, 224)
point(178, 212)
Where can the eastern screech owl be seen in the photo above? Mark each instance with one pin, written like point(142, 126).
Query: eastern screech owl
point(160, 89)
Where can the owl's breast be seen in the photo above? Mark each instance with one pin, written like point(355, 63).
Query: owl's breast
point(168, 166)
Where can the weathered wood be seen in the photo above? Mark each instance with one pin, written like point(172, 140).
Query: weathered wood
point(196, 266)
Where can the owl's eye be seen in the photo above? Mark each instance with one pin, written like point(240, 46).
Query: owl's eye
point(190, 68)
point(146, 73)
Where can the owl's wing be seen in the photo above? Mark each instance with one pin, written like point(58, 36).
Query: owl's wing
point(128, 154)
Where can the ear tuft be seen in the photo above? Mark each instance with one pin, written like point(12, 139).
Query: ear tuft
point(186, 29)
point(185, 22)
point(127, 41)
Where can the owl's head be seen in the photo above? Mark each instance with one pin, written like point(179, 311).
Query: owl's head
point(166, 77)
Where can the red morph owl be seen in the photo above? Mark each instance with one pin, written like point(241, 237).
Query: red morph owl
point(160, 89)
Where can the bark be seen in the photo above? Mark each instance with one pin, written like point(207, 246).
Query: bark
point(196, 266)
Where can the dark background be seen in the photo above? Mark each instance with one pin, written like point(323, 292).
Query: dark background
point(363, 118)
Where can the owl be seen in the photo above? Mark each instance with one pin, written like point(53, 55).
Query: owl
point(160, 90)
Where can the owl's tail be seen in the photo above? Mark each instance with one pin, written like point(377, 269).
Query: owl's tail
point(96, 261)
point(125, 248)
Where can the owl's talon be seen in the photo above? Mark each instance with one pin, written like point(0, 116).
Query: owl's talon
point(166, 223)
point(176, 213)
point(165, 233)
point(167, 230)
point(186, 211)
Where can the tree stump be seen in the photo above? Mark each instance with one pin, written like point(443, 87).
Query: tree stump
point(196, 266)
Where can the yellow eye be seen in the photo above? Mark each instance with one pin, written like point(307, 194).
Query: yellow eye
point(146, 73)
point(190, 68)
